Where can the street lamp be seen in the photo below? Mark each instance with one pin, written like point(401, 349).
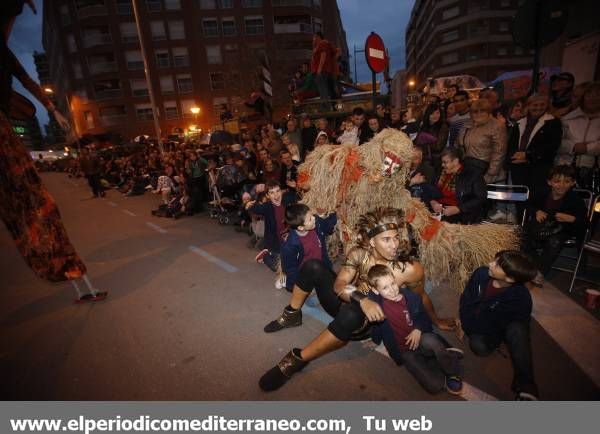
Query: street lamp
point(411, 83)
point(195, 111)
point(71, 121)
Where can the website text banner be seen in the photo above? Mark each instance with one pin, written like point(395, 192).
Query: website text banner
point(300, 417)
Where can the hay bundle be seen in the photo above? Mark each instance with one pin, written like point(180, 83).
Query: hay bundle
point(347, 179)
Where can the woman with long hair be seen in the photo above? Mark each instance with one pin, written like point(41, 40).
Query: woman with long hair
point(433, 135)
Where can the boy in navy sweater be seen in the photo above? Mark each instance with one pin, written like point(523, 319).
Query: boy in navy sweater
point(408, 336)
point(495, 307)
point(273, 213)
point(306, 240)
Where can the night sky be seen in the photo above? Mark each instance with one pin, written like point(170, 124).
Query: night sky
point(386, 17)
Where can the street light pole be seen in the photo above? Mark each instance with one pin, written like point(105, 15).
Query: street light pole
point(147, 74)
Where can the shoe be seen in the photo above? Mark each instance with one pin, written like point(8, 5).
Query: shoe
point(454, 384)
point(280, 282)
point(148, 187)
point(278, 375)
point(456, 351)
point(260, 258)
point(524, 396)
point(91, 297)
point(289, 318)
point(498, 215)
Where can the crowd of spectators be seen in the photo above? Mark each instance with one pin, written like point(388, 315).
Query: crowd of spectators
point(462, 145)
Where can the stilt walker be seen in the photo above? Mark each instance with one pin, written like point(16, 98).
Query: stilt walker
point(26, 207)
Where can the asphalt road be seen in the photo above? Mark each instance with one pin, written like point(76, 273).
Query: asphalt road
point(184, 319)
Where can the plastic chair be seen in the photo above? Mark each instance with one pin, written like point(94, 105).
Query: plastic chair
point(508, 193)
point(589, 245)
point(570, 250)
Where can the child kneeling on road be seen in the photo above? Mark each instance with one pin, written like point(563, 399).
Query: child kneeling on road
point(408, 336)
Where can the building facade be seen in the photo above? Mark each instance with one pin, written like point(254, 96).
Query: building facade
point(455, 37)
point(200, 53)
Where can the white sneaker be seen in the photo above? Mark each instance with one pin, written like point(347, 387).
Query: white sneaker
point(498, 215)
point(280, 282)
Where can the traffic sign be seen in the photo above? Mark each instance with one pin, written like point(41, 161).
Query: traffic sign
point(375, 53)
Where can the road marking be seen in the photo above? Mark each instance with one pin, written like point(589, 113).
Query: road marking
point(210, 258)
point(469, 393)
point(156, 228)
point(126, 211)
point(111, 203)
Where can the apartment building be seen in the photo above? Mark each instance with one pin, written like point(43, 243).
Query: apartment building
point(200, 53)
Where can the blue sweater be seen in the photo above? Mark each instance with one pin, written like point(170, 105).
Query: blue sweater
point(492, 315)
point(383, 331)
point(292, 250)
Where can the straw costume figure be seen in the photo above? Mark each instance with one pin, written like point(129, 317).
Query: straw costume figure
point(353, 180)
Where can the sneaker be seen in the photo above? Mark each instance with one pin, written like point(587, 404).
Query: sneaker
point(289, 318)
point(260, 258)
point(454, 384)
point(524, 396)
point(456, 351)
point(280, 282)
point(498, 215)
point(148, 187)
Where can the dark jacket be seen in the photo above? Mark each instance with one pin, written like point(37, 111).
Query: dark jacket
point(292, 251)
point(383, 331)
point(266, 210)
point(572, 204)
point(491, 316)
point(471, 194)
point(540, 151)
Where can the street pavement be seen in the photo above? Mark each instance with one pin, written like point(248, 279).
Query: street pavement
point(184, 318)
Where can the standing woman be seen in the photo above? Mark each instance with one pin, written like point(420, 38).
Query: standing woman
point(483, 141)
point(345, 296)
point(28, 210)
point(433, 135)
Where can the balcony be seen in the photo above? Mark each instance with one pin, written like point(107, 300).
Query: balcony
point(92, 11)
point(135, 65)
point(306, 3)
point(108, 94)
point(292, 28)
point(139, 92)
point(102, 67)
point(181, 61)
point(128, 39)
point(110, 120)
point(97, 39)
point(124, 9)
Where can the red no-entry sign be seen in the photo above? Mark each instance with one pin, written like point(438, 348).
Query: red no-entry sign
point(375, 53)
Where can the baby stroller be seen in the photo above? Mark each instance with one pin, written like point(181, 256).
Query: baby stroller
point(223, 209)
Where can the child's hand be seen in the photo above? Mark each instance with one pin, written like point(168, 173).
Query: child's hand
point(564, 218)
point(413, 339)
point(540, 216)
